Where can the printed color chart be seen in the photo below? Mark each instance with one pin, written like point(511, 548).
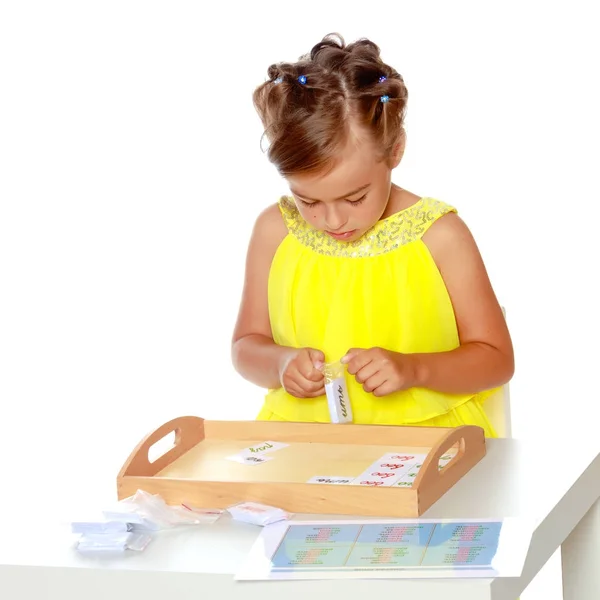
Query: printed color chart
point(391, 548)
point(388, 545)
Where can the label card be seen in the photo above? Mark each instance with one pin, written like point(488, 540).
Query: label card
point(263, 448)
point(249, 460)
point(332, 480)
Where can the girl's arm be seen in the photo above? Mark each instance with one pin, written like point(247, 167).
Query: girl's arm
point(485, 357)
point(254, 353)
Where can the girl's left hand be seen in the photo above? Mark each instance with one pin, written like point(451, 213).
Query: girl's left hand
point(381, 372)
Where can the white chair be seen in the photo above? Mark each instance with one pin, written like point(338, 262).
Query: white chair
point(497, 408)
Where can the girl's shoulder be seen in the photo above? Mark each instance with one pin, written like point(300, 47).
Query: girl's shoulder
point(270, 229)
point(281, 218)
point(271, 221)
point(447, 234)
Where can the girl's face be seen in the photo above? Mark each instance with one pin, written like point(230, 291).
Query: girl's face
point(349, 199)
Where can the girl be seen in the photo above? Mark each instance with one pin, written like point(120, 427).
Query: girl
point(354, 267)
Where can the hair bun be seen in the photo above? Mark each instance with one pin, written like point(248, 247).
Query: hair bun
point(284, 72)
point(365, 49)
point(307, 106)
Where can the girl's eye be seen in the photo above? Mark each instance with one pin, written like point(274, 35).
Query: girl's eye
point(356, 202)
point(353, 202)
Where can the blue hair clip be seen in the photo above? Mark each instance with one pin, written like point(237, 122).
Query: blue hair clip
point(302, 79)
point(385, 98)
point(382, 79)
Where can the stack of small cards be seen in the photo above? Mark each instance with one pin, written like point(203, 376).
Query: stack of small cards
point(258, 454)
point(392, 469)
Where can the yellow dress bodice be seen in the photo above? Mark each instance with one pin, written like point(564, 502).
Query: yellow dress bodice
point(383, 290)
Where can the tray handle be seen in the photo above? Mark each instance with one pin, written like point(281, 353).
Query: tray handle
point(189, 431)
point(468, 438)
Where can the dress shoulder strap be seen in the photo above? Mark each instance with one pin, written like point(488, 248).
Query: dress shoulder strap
point(289, 211)
point(417, 219)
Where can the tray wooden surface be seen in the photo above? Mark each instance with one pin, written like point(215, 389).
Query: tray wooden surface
point(196, 469)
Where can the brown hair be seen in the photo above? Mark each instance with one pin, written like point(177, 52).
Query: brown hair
point(307, 122)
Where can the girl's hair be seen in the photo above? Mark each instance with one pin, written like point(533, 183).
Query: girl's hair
point(308, 108)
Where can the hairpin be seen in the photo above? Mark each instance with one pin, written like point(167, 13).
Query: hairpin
point(382, 79)
point(302, 79)
point(278, 80)
point(385, 98)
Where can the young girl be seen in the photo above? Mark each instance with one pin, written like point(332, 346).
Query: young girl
point(352, 266)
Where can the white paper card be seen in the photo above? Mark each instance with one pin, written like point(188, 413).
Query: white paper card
point(249, 460)
point(330, 480)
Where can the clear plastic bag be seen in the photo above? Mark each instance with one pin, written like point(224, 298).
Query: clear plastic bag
point(106, 543)
point(150, 512)
point(338, 401)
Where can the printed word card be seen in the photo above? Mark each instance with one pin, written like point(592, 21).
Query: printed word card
point(256, 455)
point(392, 469)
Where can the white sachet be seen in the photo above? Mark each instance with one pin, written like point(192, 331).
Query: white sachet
point(257, 514)
point(336, 390)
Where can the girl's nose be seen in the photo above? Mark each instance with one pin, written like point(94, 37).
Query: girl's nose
point(334, 220)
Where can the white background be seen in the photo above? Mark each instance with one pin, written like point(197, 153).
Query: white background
point(131, 173)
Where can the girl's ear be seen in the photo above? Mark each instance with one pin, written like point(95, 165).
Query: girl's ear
point(398, 151)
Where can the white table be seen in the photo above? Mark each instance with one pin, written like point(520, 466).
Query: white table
point(515, 479)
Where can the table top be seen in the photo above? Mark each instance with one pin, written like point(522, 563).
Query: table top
point(550, 486)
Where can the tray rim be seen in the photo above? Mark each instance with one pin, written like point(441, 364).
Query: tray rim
point(429, 485)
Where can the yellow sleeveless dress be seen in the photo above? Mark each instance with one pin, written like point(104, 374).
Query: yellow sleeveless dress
point(382, 290)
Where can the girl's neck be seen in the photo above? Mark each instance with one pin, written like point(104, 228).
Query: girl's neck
point(400, 199)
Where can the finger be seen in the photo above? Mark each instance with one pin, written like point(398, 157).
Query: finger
point(293, 390)
point(359, 361)
point(307, 369)
point(311, 386)
point(369, 370)
point(350, 355)
point(291, 382)
point(304, 384)
point(315, 394)
point(317, 358)
point(300, 392)
point(374, 382)
point(386, 388)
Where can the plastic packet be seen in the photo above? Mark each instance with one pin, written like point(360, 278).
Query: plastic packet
point(100, 526)
point(104, 543)
point(203, 515)
point(338, 401)
point(257, 514)
point(150, 512)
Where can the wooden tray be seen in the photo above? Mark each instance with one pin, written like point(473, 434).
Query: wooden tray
point(195, 469)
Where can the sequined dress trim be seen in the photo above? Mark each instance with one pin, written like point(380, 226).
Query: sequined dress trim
point(385, 236)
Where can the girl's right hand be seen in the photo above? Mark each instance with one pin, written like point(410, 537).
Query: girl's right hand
point(301, 374)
